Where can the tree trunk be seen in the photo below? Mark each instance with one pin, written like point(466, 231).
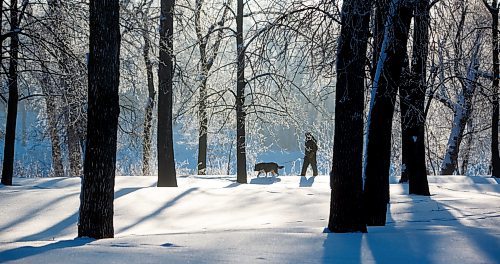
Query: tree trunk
point(414, 120)
point(404, 89)
point(96, 204)
point(50, 103)
point(203, 128)
point(70, 97)
point(148, 119)
point(463, 110)
point(495, 156)
point(74, 149)
point(202, 105)
point(380, 15)
point(206, 63)
point(467, 150)
point(165, 143)
point(346, 211)
point(10, 128)
point(241, 160)
point(386, 82)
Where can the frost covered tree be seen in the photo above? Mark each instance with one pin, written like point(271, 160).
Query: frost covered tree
point(208, 54)
point(346, 213)
point(96, 198)
point(462, 108)
point(241, 161)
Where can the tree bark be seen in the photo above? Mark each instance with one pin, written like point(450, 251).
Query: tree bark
point(495, 155)
point(241, 160)
point(73, 140)
point(414, 130)
point(10, 127)
point(346, 211)
point(165, 143)
point(385, 85)
point(380, 15)
point(202, 105)
point(148, 120)
point(468, 145)
point(404, 88)
point(96, 198)
point(51, 106)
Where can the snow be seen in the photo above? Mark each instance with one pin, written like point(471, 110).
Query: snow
point(213, 219)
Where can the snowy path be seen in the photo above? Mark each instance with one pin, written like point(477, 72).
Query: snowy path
point(281, 220)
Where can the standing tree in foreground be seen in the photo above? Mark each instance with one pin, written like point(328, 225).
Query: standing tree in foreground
point(346, 214)
point(165, 148)
point(412, 95)
point(241, 160)
point(385, 87)
point(495, 155)
point(96, 205)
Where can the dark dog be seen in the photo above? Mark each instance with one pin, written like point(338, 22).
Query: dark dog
point(266, 167)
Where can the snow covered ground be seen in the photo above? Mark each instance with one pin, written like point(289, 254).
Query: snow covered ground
point(271, 220)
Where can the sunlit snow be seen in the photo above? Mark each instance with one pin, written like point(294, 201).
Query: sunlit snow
point(212, 219)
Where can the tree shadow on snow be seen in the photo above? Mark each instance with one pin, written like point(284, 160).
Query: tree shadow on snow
point(159, 210)
point(429, 230)
point(29, 251)
point(342, 248)
point(69, 221)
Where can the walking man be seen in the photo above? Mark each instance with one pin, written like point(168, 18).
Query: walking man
point(310, 155)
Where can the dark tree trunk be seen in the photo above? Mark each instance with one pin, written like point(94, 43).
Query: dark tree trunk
point(165, 142)
point(404, 88)
point(495, 156)
point(10, 128)
point(346, 209)
point(386, 82)
point(96, 206)
point(148, 119)
point(380, 15)
point(414, 132)
point(241, 159)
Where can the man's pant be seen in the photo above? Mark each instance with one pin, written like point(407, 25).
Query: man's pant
point(309, 159)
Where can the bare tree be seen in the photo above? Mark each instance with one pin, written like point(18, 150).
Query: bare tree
point(346, 213)
point(412, 98)
point(495, 155)
point(384, 90)
point(12, 82)
point(96, 199)
point(166, 161)
point(241, 161)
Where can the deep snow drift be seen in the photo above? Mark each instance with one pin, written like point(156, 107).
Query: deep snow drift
point(212, 219)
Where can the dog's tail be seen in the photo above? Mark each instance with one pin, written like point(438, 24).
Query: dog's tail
point(281, 167)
